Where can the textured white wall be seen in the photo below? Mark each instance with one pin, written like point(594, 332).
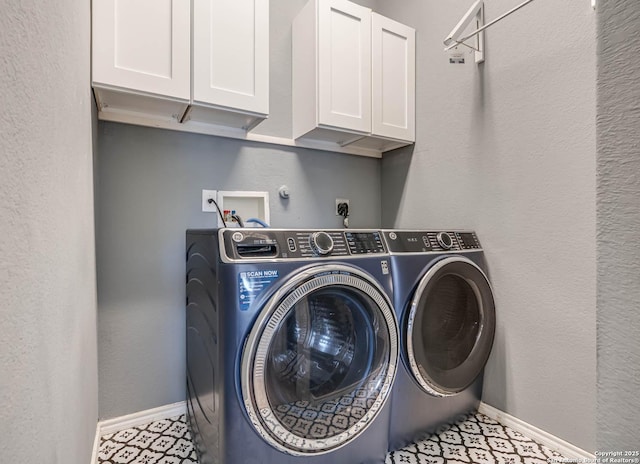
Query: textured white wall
point(508, 148)
point(618, 130)
point(48, 360)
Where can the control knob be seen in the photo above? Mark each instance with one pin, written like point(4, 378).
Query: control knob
point(321, 243)
point(444, 240)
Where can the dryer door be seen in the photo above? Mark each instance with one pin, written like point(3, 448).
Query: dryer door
point(450, 326)
point(319, 362)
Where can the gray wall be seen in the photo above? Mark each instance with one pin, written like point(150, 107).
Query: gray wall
point(149, 192)
point(618, 200)
point(48, 359)
point(508, 148)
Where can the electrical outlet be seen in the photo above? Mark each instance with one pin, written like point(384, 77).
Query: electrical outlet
point(342, 200)
point(208, 198)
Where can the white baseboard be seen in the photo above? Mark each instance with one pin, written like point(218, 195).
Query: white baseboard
point(566, 449)
point(118, 424)
point(96, 445)
point(142, 417)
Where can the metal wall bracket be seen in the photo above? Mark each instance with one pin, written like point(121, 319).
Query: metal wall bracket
point(475, 12)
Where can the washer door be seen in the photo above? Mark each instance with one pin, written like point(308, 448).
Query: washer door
point(450, 326)
point(319, 362)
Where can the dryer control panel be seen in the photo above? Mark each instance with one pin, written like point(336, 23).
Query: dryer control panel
point(422, 241)
point(247, 243)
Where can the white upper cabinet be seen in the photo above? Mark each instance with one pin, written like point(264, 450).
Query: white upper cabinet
point(353, 77)
point(182, 61)
point(393, 79)
point(344, 65)
point(203, 66)
point(148, 64)
point(331, 70)
point(231, 54)
point(155, 62)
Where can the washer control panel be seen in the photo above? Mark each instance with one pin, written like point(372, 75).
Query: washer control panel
point(364, 242)
point(321, 243)
point(247, 243)
point(415, 241)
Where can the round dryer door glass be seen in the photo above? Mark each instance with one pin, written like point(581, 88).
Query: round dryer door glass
point(450, 326)
point(319, 363)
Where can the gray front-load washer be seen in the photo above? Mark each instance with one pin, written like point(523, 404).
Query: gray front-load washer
point(291, 346)
point(446, 311)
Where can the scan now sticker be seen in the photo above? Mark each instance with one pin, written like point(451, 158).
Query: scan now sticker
point(252, 283)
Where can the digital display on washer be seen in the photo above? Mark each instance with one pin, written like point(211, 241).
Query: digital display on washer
point(364, 242)
point(468, 240)
point(408, 242)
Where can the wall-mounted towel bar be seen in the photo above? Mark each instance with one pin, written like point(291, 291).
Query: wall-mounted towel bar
point(475, 12)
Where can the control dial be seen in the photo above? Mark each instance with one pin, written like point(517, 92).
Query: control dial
point(444, 240)
point(321, 243)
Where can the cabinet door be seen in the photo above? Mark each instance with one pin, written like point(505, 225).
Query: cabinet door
point(344, 65)
point(231, 54)
point(142, 45)
point(393, 79)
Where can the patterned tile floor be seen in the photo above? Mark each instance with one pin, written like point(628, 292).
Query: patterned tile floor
point(166, 441)
point(476, 439)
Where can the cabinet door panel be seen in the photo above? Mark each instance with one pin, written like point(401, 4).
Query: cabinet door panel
point(142, 45)
point(393, 79)
point(231, 54)
point(344, 62)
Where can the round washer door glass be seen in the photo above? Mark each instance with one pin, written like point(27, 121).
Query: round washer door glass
point(450, 326)
point(319, 362)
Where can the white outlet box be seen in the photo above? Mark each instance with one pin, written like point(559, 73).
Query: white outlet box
point(208, 198)
point(342, 200)
point(246, 204)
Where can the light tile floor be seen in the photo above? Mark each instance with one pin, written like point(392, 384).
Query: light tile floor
point(166, 441)
point(475, 439)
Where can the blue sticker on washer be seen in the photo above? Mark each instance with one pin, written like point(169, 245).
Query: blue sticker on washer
point(251, 284)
